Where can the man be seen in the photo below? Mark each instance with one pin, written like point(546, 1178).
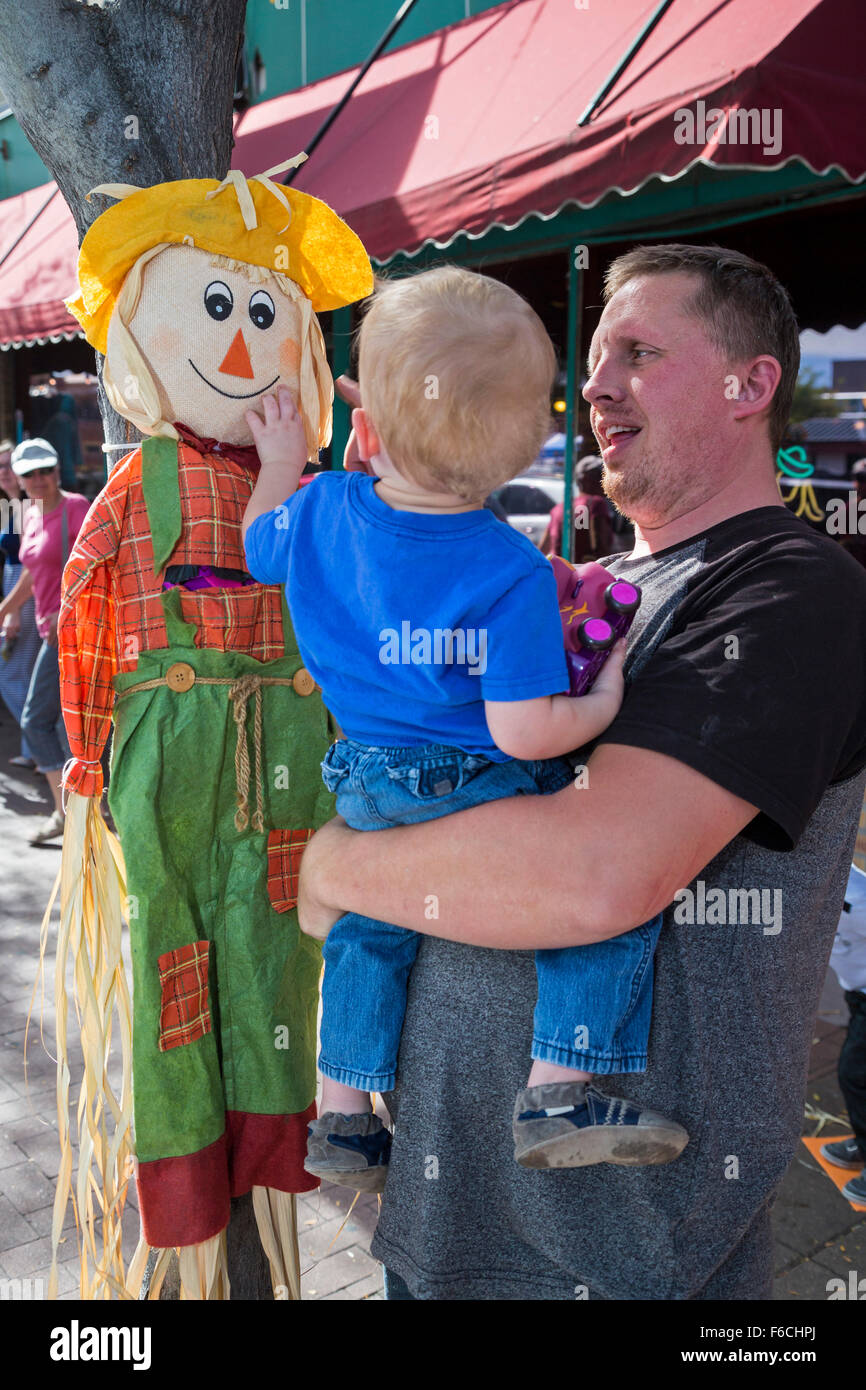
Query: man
point(726, 792)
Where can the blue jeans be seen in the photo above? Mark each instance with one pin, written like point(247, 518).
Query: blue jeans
point(42, 717)
point(594, 1002)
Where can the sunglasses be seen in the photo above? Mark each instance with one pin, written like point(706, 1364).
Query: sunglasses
point(40, 472)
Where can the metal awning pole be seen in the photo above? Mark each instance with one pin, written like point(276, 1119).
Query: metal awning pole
point(404, 10)
point(625, 60)
point(33, 219)
point(341, 333)
point(572, 370)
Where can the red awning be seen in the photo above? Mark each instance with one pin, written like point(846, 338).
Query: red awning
point(476, 125)
point(37, 269)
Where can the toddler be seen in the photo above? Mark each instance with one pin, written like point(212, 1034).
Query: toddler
point(434, 632)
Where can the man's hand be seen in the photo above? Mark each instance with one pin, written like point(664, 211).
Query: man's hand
point(348, 391)
point(51, 634)
point(315, 915)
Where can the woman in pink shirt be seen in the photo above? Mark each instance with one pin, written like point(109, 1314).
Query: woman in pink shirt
point(48, 533)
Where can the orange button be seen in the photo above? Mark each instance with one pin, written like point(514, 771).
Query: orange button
point(303, 682)
point(180, 676)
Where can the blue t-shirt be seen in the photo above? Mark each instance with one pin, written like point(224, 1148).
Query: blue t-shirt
point(410, 620)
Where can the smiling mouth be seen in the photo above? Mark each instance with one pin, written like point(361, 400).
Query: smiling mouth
point(244, 396)
point(613, 436)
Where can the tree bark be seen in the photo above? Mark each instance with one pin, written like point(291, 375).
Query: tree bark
point(130, 91)
point(122, 91)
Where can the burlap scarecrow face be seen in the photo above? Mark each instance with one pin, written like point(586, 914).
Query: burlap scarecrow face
point(203, 296)
point(215, 336)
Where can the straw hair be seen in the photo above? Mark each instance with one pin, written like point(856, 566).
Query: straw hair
point(92, 886)
point(125, 362)
point(277, 1221)
point(455, 371)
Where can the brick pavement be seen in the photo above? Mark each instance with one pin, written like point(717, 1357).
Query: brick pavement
point(818, 1234)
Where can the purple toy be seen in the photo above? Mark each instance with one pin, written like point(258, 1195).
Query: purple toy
point(596, 610)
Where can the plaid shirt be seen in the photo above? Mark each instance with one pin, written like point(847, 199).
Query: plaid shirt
point(111, 607)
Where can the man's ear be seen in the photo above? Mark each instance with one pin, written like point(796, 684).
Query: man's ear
point(369, 444)
point(757, 386)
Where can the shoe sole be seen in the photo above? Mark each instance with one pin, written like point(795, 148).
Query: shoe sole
point(850, 1164)
point(365, 1180)
point(649, 1145)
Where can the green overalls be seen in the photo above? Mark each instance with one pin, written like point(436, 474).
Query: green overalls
point(225, 984)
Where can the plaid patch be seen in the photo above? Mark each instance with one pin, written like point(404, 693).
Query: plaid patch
point(285, 848)
point(184, 1015)
point(111, 607)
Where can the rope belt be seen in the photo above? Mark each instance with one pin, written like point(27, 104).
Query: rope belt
point(241, 688)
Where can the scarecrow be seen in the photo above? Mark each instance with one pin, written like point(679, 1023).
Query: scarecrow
point(202, 294)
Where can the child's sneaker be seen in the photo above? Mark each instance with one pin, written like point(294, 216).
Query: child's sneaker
point(567, 1125)
point(844, 1153)
point(855, 1190)
point(352, 1150)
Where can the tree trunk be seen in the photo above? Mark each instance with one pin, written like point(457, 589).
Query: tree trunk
point(129, 91)
point(125, 91)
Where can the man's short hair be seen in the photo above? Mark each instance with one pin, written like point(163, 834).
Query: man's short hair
point(455, 371)
point(746, 311)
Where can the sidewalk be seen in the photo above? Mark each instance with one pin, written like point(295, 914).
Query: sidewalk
point(819, 1236)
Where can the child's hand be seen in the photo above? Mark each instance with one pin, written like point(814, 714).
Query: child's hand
point(610, 681)
point(279, 438)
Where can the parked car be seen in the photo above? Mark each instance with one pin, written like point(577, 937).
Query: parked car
point(528, 502)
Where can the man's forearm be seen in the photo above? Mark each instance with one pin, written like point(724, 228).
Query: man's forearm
point(533, 872)
point(509, 874)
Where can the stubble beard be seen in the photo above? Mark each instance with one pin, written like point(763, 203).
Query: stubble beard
point(643, 491)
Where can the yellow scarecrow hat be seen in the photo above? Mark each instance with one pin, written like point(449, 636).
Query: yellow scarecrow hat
point(264, 224)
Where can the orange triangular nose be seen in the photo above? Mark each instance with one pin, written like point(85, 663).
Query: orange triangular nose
point(237, 360)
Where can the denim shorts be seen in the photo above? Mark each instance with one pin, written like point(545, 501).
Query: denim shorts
point(377, 788)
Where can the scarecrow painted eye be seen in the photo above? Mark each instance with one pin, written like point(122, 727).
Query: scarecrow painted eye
point(218, 300)
point(262, 309)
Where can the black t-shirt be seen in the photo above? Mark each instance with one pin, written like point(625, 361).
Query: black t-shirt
point(750, 646)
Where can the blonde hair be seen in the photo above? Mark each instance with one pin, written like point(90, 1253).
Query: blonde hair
point(455, 371)
point(144, 411)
